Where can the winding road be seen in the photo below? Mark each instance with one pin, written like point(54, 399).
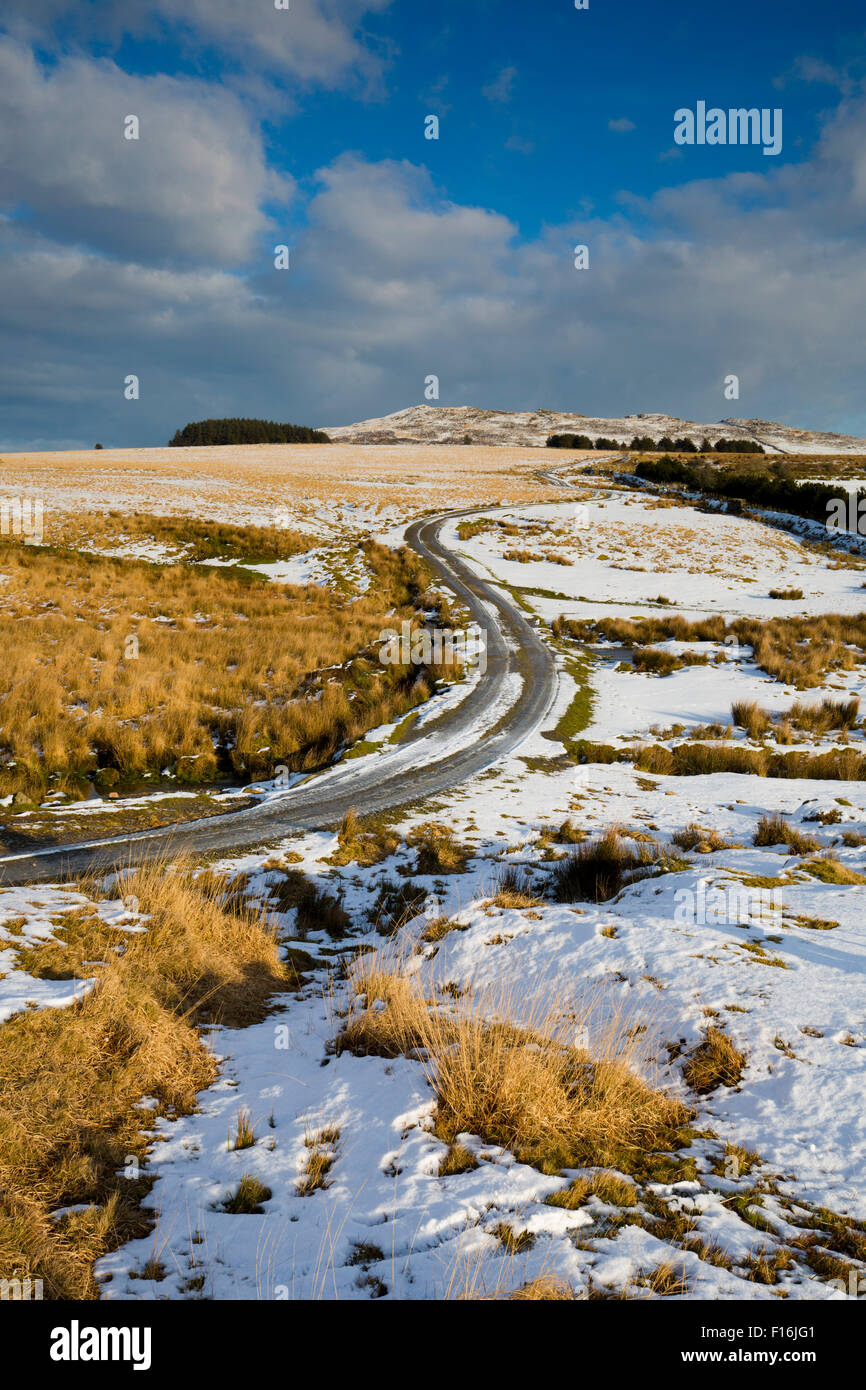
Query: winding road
point(509, 701)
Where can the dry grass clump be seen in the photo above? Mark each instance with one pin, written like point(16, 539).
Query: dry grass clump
point(598, 869)
point(775, 830)
point(828, 869)
point(315, 908)
point(396, 905)
point(694, 836)
point(828, 714)
point(716, 1061)
point(439, 851)
point(795, 651)
point(319, 910)
point(701, 759)
point(509, 1072)
point(364, 847)
point(320, 1159)
point(786, 593)
point(749, 715)
point(458, 1159)
point(522, 557)
point(611, 1189)
point(515, 889)
point(570, 834)
point(71, 1079)
point(546, 1289)
point(818, 718)
point(248, 1197)
point(117, 669)
point(662, 663)
point(440, 927)
point(190, 537)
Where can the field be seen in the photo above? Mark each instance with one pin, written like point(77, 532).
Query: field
point(587, 1025)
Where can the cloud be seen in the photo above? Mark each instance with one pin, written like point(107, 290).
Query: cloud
point(808, 68)
point(315, 42)
point(621, 125)
point(501, 89)
point(192, 187)
point(760, 274)
point(516, 142)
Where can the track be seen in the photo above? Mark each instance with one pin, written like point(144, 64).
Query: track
point(490, 722)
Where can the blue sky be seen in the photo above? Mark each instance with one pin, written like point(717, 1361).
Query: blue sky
point(410, 256)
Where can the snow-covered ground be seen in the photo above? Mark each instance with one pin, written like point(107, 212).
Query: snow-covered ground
point(743, 937)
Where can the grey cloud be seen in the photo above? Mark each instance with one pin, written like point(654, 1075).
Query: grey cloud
point(191, 187)
point(759, 274)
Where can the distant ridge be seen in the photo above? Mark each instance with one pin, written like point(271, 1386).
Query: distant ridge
point(427, 424)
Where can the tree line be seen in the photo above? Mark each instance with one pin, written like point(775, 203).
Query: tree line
point(243, 431)
point(774, 491)
point(646, 444)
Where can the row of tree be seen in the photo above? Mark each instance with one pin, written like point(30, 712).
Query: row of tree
point(774, 491)
point(646, 444)
point(240, 431)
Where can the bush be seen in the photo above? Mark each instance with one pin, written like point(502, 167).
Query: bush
point(569, 441)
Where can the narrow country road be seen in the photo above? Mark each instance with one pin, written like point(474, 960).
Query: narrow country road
point(509, 701)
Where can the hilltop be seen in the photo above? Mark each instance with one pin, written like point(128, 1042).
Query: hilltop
point(426, 424)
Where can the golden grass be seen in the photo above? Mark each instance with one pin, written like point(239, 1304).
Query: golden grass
point(71, 1079)
point(320, 1158)
point(546, 1289)
point(515, 889)
point(597, 869)
point(230, 481)
point(694, 836)
point(775, 830)
point(438, 851)
point(364, 847)
point(507, 1070)
point(180, 537)
point(117, 669)
point(795, 651)
point(716, 1061)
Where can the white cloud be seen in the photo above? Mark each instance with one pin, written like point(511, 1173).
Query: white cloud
point(315, 42)
point(761, 274)
point(501, 89)
point(621, 125)
point(191, 187)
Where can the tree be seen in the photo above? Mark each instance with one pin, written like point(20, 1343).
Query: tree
point(244, 431)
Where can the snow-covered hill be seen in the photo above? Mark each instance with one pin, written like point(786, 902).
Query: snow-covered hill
point(426, 424)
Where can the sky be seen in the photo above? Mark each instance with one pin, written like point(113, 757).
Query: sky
point(408, 257)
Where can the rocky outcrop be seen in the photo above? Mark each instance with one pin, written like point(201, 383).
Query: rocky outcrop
point(428, 424)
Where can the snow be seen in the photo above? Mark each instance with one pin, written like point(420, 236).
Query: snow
point(663, 953)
